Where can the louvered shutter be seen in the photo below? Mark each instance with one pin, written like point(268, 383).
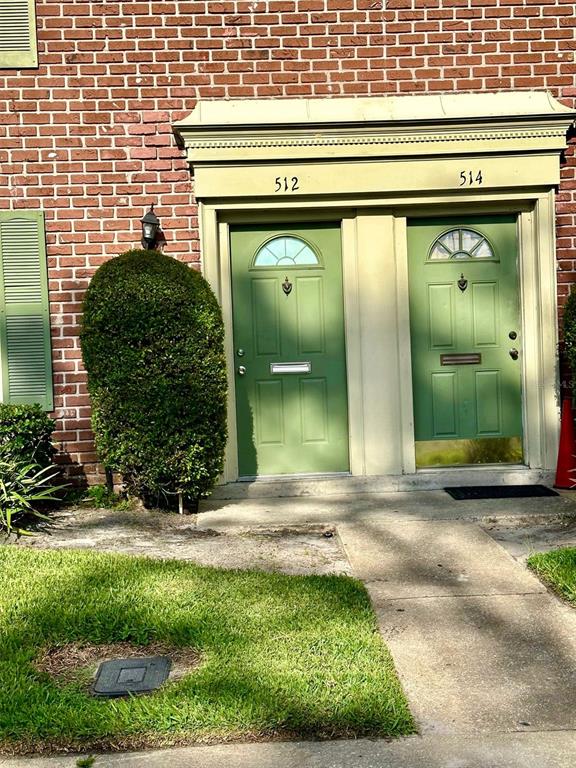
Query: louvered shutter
point(18, 33)
point(24, 311)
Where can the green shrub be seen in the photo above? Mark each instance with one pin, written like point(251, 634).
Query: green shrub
point(570, 330)
point(22, 487)
point(152, 342)
point(26, 434)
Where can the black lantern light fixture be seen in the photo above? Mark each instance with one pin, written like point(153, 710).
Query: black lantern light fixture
point(150, 227)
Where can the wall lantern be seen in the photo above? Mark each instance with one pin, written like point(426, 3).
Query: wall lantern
point(150, 227)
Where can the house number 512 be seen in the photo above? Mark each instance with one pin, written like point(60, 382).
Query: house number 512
point(286, 184)
point(470, 178)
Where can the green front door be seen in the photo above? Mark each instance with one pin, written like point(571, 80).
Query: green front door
point(289, 353)
point(465, 336)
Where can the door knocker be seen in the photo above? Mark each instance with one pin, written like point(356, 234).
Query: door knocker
point(462, 283)
point(286, 286)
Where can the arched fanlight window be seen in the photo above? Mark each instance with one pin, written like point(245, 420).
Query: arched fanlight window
point(285, 251)
point(461, 244)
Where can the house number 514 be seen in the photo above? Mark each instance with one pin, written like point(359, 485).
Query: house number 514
point(286, 184)
point(470, 178)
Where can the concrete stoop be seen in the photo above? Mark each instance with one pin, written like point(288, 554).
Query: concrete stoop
point(338, 484)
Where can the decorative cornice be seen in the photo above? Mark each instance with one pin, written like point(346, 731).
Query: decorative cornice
point(200, 142)
point(308, 129)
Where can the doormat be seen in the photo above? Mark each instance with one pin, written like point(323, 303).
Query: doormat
point(463, 493)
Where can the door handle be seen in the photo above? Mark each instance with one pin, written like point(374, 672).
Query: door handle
point(241, 370)
point(513, 354)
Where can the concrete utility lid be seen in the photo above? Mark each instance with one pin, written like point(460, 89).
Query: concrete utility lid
point(120, 677)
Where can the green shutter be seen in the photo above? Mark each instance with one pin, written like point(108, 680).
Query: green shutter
point(18, 34)
point(24, 311)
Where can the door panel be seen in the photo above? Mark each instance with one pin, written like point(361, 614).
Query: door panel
point(310, 314)
point(443, 404)
point(288, 308)
point(441, 303)
point(464, 303)
point(266, 328)
point(314, 410)
point(270, 412)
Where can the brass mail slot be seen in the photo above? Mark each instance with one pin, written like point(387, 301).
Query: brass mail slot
point(465, 359)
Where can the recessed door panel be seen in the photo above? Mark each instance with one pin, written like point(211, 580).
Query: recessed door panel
point(310, 314)
point(266, 340)
point(440, 303)
point(443, 405)
point(485, 314)
point(314, 413)
point(291, 394)
point(488, 403)
point(269, 413)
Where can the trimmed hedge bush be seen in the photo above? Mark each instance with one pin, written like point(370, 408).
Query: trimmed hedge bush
point(26, 435)
point(152, 342)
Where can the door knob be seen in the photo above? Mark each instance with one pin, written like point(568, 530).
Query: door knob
point(241, 370)
point(513, 354)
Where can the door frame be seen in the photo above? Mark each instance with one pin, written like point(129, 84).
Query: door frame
point(220, 223)
point(536, 269)
point(283, 225)
point(361, 226)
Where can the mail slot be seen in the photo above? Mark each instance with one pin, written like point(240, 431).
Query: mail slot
point(464, 359)
point(290, 367)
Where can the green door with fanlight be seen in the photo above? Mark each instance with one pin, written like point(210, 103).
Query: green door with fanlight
point(465, 339)
point(289, 352)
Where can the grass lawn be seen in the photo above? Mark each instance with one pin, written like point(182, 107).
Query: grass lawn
point(558, 569)
point(281, 656)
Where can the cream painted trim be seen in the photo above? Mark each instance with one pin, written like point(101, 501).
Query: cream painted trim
point(231, 458)
point(351, 299)
point(537, 278)
point(375, 177)
point(404, 345)
point(381, 394)
point(314, 208)
point(547, 327)
point(527, 268)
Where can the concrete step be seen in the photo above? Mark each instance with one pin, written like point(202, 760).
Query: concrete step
point(323, 485)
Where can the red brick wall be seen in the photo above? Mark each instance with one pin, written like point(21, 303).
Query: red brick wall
point(87, 136)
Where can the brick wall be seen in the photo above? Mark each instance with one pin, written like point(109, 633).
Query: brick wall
point(87, 136)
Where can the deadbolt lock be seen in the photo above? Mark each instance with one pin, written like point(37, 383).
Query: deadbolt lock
point(240, 352)
point(512, 335)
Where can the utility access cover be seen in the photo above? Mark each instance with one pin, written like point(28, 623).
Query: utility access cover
point(121, 677)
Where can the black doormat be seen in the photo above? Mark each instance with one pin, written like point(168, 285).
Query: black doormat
point(463, 493)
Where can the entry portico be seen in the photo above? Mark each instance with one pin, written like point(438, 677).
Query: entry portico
point(482, 170)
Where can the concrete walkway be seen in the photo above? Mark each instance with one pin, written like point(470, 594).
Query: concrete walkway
point(486, 654)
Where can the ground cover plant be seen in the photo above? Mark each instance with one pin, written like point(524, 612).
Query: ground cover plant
point(26, 434)
point(558, 569)
point(27, 475)
point(280, 656)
